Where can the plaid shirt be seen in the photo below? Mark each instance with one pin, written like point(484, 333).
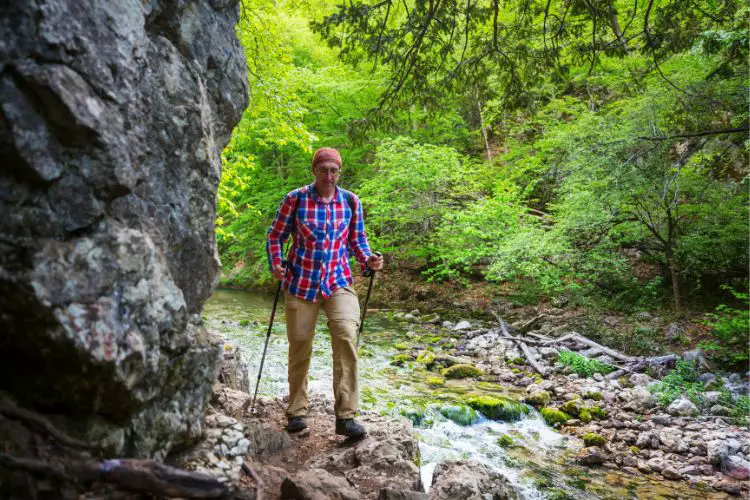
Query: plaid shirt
point(318, 260)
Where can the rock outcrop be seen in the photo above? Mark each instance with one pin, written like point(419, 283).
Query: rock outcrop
point(113, 116)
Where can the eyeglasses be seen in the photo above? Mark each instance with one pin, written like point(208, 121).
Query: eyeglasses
point(332, 171)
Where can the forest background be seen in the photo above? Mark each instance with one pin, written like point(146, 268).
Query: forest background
point(591, 149)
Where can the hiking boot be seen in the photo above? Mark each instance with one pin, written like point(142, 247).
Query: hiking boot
point(296, 424)
point(349, 427)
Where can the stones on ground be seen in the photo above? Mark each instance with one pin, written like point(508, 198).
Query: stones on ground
point(591, 455)
point(736, 467)
point(683, 407)
point(461, 325)
point(317, 484)
point(468, 479)
point(393, 494)
point(643, 398)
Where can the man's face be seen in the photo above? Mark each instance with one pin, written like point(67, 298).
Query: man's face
point(326, 173)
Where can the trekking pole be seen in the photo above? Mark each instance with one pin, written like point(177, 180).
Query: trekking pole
point(265, 347)
point(368, 272)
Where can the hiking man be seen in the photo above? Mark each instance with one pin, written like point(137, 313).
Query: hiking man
point(326, 222)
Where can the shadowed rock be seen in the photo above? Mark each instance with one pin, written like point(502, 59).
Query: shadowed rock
point(113, 116)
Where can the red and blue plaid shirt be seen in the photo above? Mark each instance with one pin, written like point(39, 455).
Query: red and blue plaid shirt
point(318, 261)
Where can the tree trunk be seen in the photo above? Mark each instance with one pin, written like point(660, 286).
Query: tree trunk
point(675, 281)
point(484, 131)
point(617, 31)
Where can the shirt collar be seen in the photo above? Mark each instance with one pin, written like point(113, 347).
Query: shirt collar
point(338, 196)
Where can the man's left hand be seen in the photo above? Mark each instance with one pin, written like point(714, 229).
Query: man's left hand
point(375, 262)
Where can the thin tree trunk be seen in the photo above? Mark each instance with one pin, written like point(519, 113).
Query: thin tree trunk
point(484, 131)
point(617, 31)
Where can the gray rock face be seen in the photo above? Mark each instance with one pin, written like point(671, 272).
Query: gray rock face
point(468, 479)
point(113, 116)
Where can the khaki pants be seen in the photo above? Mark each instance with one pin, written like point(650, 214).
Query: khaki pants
point(342, 311)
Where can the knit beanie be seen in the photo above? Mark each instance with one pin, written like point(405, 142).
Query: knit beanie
point(326, 154)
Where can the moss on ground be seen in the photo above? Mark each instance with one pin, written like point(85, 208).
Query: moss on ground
point(461, 371)
point(498, 408)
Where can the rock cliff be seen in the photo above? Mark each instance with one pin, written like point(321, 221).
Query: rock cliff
point(113, 115)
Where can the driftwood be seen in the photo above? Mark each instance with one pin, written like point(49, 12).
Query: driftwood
point(529, 325)
point(521, 343)
point(577, 337)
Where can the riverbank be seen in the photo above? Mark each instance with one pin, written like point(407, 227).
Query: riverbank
point(633, 423)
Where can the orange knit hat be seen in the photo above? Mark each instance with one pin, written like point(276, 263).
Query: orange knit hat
point(326, 154)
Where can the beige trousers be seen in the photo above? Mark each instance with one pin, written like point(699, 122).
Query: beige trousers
point(342, 311)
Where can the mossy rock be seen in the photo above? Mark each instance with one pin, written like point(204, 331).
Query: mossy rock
point(401, 347)
point(497, 408)
point(426, 358)
point(635, 450)
point(595, 395)
point(460, 414)
point(585, 415)
point(244, 322)
point(435, 381)
point(400, 359)
point(594, 439)
point(538, 398)
point(415, 415)
point(598, 413)
point(517, 361)
point(506, 441)
point(553, 416)
point(572, 407)
point(461, 371)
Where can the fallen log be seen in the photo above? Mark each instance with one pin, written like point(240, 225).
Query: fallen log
point(524, 349)
point(577, 337)
point(531, 323)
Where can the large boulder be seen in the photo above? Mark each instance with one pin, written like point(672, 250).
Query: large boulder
point(113, 116)
point(469, 479)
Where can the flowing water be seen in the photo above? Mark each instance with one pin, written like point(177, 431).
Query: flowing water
point(540, 467)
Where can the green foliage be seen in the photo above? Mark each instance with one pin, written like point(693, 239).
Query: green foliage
point(683, 380)
point(730, 327)
point(583, 366)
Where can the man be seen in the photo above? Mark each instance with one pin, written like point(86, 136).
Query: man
point(326, 223)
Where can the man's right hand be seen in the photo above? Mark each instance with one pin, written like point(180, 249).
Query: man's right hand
point(278, 272)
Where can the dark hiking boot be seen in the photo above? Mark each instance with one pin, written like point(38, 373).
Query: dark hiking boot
point(296, 424)
point(349, 427)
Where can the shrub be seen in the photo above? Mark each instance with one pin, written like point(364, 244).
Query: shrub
point(583, 366)
point(729, 327)
point(682, 380)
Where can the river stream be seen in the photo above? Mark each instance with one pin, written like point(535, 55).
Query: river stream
point(540, 465)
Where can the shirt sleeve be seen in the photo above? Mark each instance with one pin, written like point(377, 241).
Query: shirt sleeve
point(279, 231)
point(357, 236)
